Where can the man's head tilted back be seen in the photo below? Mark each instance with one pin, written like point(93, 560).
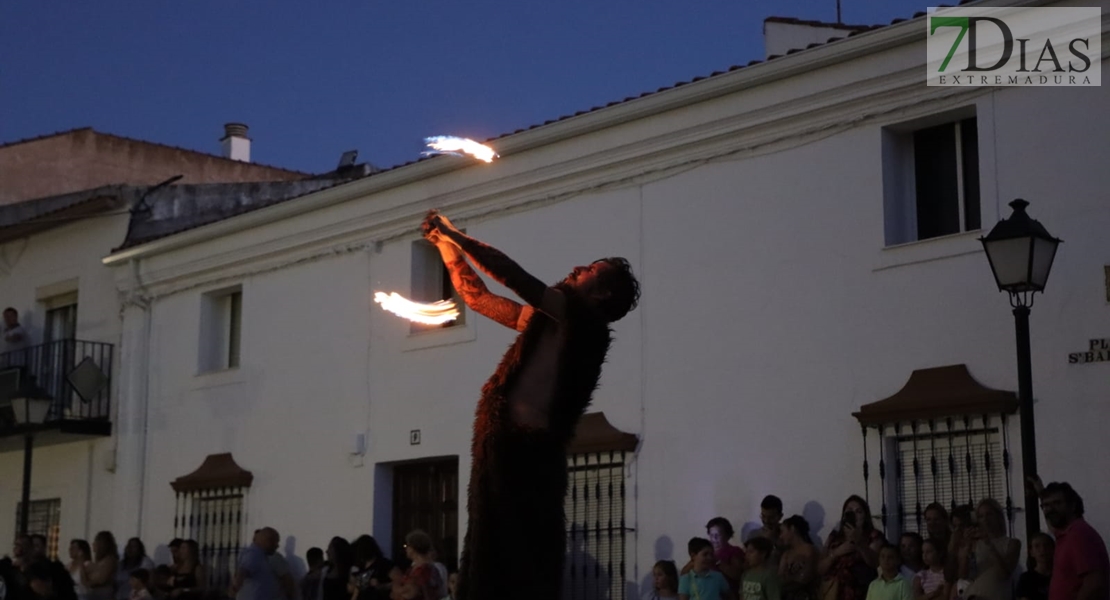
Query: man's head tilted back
point(609, 285)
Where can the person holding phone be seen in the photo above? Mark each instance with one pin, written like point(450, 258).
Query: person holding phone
point(851, 555)
point(996, 554)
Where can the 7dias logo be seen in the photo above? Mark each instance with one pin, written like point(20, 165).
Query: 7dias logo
point(1019, 47)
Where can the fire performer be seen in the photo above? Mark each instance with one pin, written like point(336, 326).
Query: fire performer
point(516, 537)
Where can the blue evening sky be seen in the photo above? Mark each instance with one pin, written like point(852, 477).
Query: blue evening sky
point(313, 79)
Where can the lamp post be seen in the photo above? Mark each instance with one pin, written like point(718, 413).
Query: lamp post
point(29, 409)
point(1021, 251)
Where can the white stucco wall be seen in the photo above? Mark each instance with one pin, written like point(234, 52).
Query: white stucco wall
point(771, 311)
point(63, 260)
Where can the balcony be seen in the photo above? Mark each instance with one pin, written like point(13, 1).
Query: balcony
point(74, 375)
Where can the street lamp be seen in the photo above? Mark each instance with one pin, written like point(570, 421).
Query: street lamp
point(30, 409)
point(1021, 251)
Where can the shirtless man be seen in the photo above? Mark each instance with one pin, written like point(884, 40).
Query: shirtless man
point(516, 538)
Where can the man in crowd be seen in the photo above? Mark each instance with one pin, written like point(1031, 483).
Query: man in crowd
point(255, 578)
point(770, 515)
point(14, 340)
point(1081, 567)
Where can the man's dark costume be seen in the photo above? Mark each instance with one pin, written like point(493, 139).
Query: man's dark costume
point(515, 541)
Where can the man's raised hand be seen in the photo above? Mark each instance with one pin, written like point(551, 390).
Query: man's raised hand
point(438, 228)
point(428, 227)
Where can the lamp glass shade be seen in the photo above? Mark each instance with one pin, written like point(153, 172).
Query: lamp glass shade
point(1020, 252)
point(1009, 262)
point(1044, 252)
point(30, 410)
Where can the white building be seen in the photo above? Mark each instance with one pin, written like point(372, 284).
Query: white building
point(792, 273)
point(51, 247)
point(68, 304)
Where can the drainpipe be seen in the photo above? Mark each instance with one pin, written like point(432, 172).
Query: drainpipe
point(133, 407)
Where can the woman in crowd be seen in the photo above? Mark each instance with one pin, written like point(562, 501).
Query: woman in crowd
point(371, 581)
point(730, 559)
point(851, 553)
point(99, 576)
point(995, 555)
point(189, 576)
point(80, 555)
point(422, 582)
point(337, 576)
point(134, 558)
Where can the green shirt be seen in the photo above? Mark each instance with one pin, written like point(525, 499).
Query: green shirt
point(898, 588)
point(710, 586)
point(761, 584)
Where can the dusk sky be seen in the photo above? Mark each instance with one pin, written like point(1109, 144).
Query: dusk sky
point(313, 79)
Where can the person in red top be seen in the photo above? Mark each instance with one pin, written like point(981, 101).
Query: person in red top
point(1081, 567)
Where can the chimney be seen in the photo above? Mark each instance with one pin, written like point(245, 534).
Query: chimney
point(236, 145)
point(783, 34)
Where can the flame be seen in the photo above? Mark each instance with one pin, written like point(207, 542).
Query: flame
point(436, 313)
point(449, 144)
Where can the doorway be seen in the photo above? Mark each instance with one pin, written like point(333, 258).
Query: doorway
point(426, 496)
point(58, 350)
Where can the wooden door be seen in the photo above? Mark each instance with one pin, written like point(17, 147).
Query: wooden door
point(426, 496)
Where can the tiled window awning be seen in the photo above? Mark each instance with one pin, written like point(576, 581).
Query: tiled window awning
point(211, 505)
point(937, 393)
point(941, 440)
point(595, 434)
point(217, 471)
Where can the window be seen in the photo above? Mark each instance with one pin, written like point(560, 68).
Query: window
point(221, 326)
point(61, 318)
point(44, 518)
point(210, 508)
point(216, 526)
point(969, 469)
point(431, 282)
point(594, 507)
point(931, 179)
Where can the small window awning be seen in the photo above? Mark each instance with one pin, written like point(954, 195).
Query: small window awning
point(596, 434)
point(216, 472)
point(938, 393)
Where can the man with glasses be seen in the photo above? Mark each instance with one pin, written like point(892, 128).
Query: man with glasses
point(1081, 567)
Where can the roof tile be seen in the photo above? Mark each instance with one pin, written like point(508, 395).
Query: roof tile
point(143, 142)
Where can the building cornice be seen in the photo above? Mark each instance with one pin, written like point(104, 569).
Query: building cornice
point(715, 87)
point(654, 153)
point(731, 138)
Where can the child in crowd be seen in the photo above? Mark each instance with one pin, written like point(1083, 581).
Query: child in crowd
point(140, 584)
point(664, 581)
point(452, 586)
point(160, 586)
point(760, 581)
point(891, 584)
point(701, 582)
point(310, 584)
point(1033, 584)
point(928, 584)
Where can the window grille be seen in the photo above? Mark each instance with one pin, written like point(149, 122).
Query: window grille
point(596, 531)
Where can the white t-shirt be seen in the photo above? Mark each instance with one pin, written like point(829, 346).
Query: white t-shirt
point(11, 343)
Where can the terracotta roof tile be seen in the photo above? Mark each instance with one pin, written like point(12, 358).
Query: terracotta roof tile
point(146, 143)
point(855, 30)
point(814, 23)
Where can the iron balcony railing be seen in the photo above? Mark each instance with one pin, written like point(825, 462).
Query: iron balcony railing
point(75, 375)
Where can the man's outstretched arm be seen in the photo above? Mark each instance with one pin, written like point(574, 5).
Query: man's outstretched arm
point(476, 295)
point(501, 268)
